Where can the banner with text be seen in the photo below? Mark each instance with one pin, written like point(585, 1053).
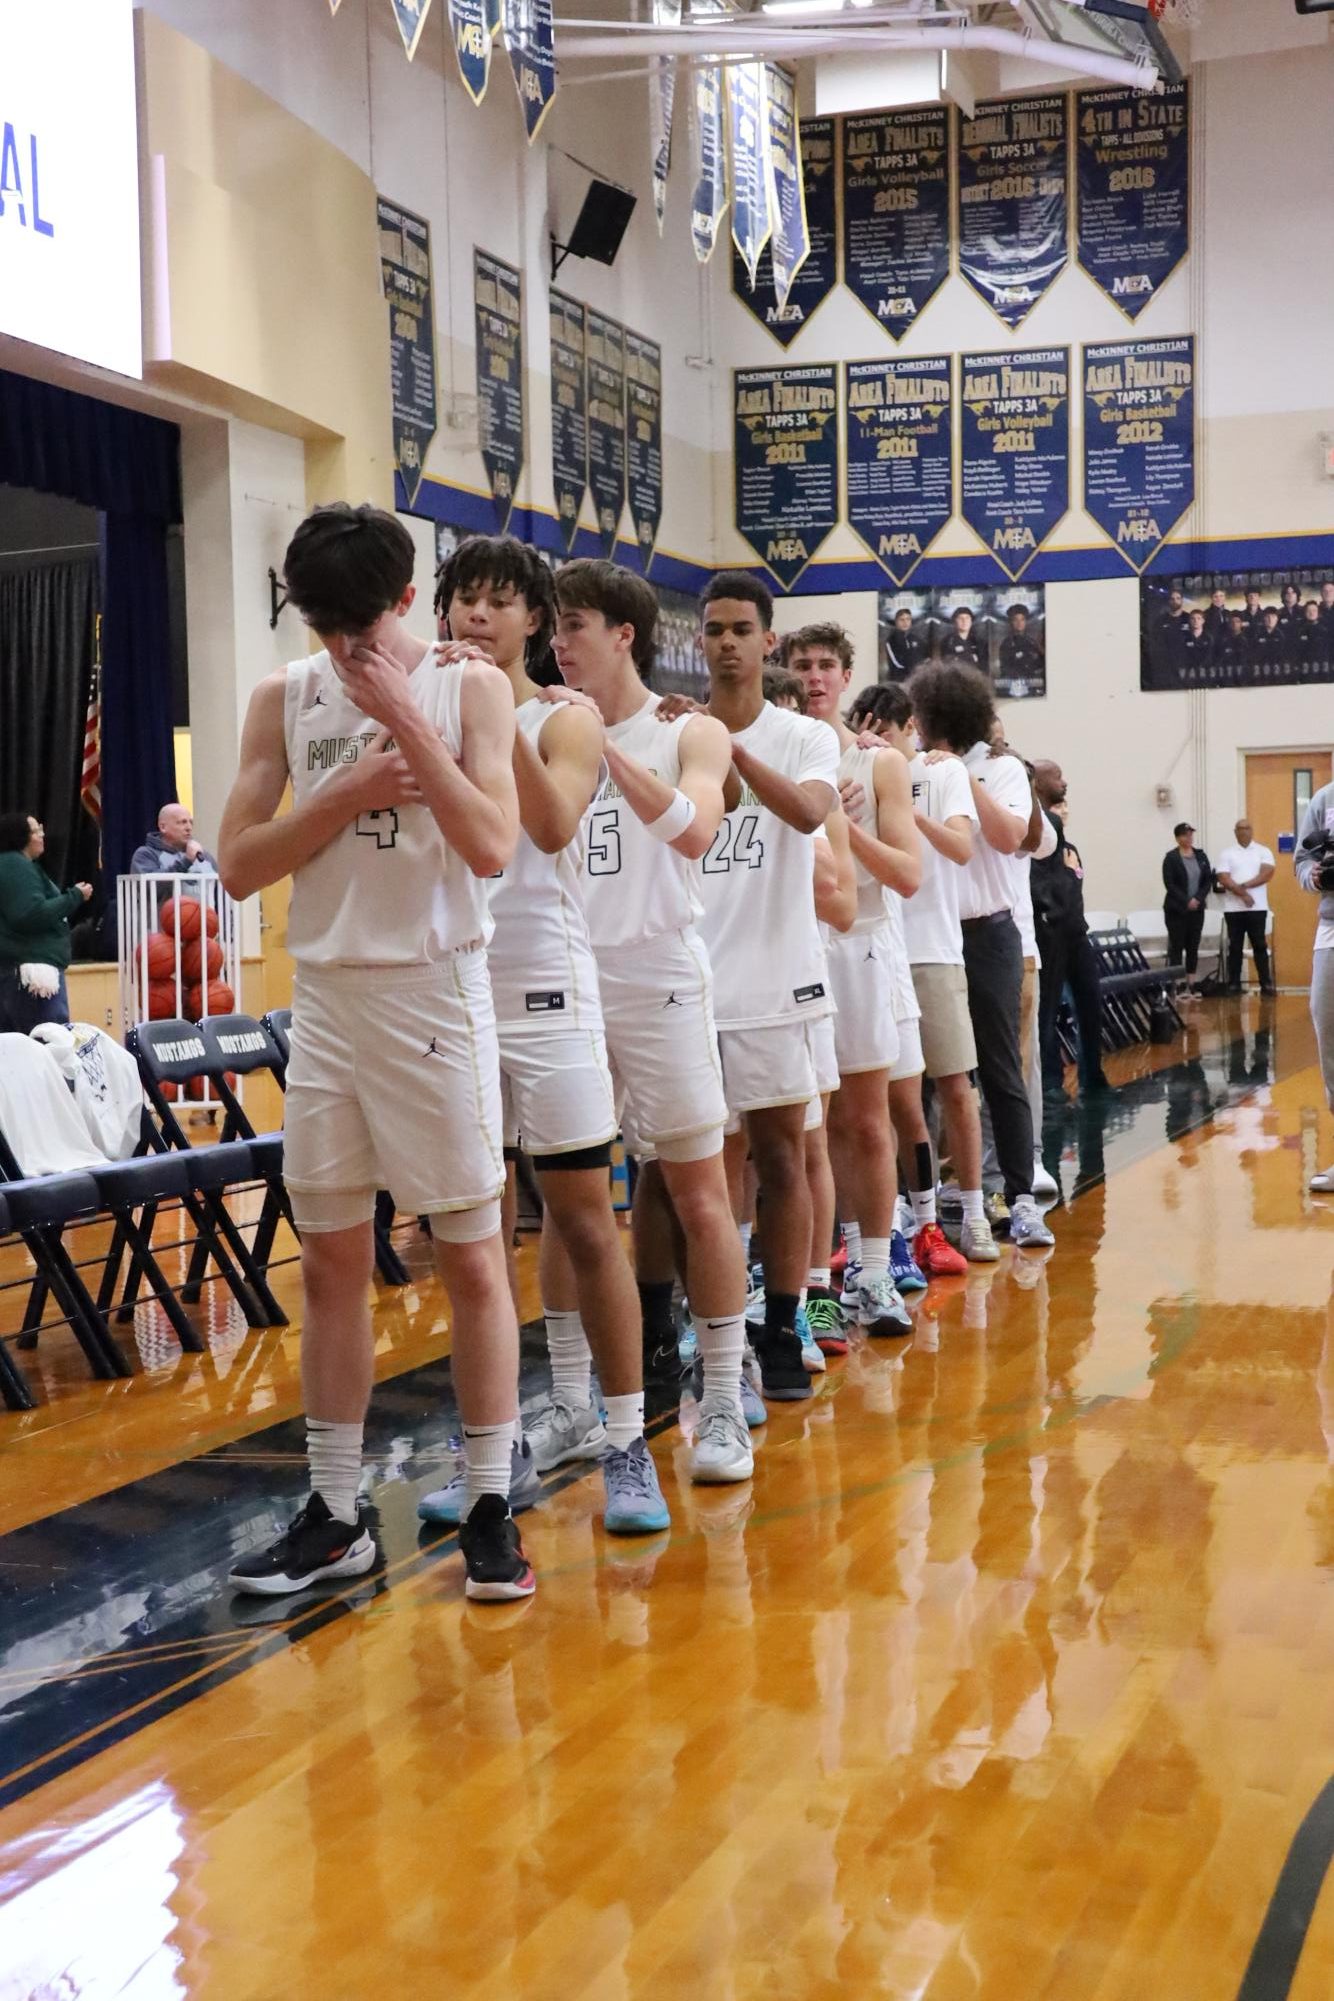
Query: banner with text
point(530, 37)
point(1139, 441)
point(643, 440)
point(661, 107)
point(896, 212)
point(1014, 201)
point(405, 265)
point(1132, 225)
point(817, 275)
point(498, 316)
point(708, 203)
point(748, 160)
point(569, 414)
point(605, 344)
point(1015, 427)
point(789, 241)
point(899, 457)
point(473, 24)
point(785, 467)
point(411, 18)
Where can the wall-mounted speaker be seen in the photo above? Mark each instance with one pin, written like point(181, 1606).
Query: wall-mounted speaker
point(599, 226)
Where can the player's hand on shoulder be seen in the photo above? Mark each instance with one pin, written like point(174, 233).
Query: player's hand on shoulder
point(381, 777)
point(672, 707)
point(868, 740)
point(941, 757)
point(451, 652)
point(573, 698)
point(851, 796)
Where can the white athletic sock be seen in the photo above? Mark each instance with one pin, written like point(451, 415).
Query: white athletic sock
point(972, 1204)
point(625, 1420)
point(875, 1258)
point(486, 1461)
point(923, 1207)
point(571, 1358)
point(722, 1346)
point(852, 1242)
point(333, 1452)
point(817, 1275)
point(743, 1231)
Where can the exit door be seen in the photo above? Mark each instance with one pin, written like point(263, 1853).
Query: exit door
point(1279, 786)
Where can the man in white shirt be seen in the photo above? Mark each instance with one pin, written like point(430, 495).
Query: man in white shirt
point(956, 715)
point(1243, 873)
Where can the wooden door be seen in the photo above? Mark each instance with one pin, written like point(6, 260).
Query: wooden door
point(1278, 785)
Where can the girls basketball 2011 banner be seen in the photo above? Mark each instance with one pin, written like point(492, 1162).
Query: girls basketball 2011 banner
point(1139, 441)
point(405, 266)
point(498, 313)
point(643, 440)
point(899, 455)
point(817, 275)
point(569, 414)
point(1133, 186)
point(605, 349)
point(1015, 458)
point(785, 463)
point(1014, 201)
point(896, 212)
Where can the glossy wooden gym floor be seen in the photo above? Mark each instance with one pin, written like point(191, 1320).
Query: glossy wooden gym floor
point(1010, 1678)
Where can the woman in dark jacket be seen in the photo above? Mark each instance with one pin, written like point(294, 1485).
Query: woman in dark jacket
point(34, 929)
point(1187, 879)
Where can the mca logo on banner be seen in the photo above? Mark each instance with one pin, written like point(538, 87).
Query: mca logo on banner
point(530, 39)
point(411, 18)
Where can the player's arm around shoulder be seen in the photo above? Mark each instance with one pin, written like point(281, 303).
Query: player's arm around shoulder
point(895, 820)
point(484, 826)
point(835, 875)
point(557, 781)
point(706, 764)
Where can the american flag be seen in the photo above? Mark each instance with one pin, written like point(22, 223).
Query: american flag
point(90, 781)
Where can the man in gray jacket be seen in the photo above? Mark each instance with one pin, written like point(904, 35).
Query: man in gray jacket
point(173, 849)
point(1314, 863)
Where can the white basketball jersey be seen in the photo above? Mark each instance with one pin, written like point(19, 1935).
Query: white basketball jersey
point(543, 973)
point(859, 765)
point(758, 887)
point(636, 888)
point(387, 890)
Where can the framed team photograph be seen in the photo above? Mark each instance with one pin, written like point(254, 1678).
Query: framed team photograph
point(1004, 632)
point(1236, 628)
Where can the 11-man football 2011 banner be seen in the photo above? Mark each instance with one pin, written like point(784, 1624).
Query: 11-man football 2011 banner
point(785, 463)
point(1015, 451)
point(899, 457)
point(1139, 441)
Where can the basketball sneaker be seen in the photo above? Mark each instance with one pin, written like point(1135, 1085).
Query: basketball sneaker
point(936, 1255)
point(634, 1498)
point(906, 1275)
point(313, 1546)
point(752, 1408)
point(755, 1297)
point(976, 1241)
point(446, 1504)
point(880, 1308)
point(493, 1554)
point(783, 1379)
point(811, 1358)
point(852, 1278)
point(1322, 1183)
point(1046, 1187)
point(1028, 1232)
point(721, 1454)
point(824, 1317)
point(997, 1212)
point(560, 1434)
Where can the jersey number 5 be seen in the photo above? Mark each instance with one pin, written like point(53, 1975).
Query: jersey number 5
point(735, 845)
point(381, 826)
point(604, 843)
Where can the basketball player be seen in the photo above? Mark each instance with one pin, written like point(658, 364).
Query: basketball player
point(659, 811)
point(400, 757)
point(555, 1085)
point(877, 798)
point(764, 942)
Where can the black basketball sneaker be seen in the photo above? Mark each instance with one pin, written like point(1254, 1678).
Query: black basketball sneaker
point(497, 1567)
point(311, 1548)
point(783, 1379)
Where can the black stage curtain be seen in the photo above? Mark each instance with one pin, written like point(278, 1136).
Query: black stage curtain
point(128, 467)
point(47, 619)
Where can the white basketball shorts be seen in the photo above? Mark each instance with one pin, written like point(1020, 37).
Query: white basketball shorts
point(657, 1012)
point(861, 979)
point(555, 1087)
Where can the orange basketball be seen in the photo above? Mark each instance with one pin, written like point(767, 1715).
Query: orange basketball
point(195, 1087)
point(193, 956)
point(159, 952)
point(171, 1092)
point(162, 1004)
point(181, 914)
point(221, 999)
point(212, 922)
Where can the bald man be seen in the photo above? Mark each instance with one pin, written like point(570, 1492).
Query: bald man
point(172, 849)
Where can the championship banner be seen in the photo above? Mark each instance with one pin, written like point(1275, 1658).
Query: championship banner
point(498, 316)
point(661, 105)
point(1139, 441)
point(411, 18)
point(1014, 201)
point(569, 414)
point(748, 156)
point(530, 37)
point(898, 455)
point(817, 276)
point(643, 434)
point(896, 212)
point(708, 204)
point(405, 266)
point(1132, 224)
point(785, 466)
point(605, 346)
point(474, 23)
point(789, 241)
point(1015, 426)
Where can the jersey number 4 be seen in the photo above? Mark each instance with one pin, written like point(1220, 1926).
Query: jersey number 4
point(735, 846)
point(604, 842)
point(381, 826)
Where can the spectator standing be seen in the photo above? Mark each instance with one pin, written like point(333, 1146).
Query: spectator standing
point(172, 849)
point(1063, 941)
point(34, 929)
point(1187, 878)
point(1243, 875)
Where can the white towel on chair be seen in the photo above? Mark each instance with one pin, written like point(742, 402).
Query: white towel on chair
point(40, 979)
point(38, 1115)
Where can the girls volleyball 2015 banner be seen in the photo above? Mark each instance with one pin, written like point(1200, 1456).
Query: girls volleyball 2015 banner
point(785, 463)
point(896, 212)
point(899, 455)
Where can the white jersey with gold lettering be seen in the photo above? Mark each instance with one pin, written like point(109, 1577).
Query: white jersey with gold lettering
point(636, 888)
point(543, 974)
point(387, 890)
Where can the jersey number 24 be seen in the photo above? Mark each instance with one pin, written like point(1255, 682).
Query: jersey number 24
point(735, 846)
